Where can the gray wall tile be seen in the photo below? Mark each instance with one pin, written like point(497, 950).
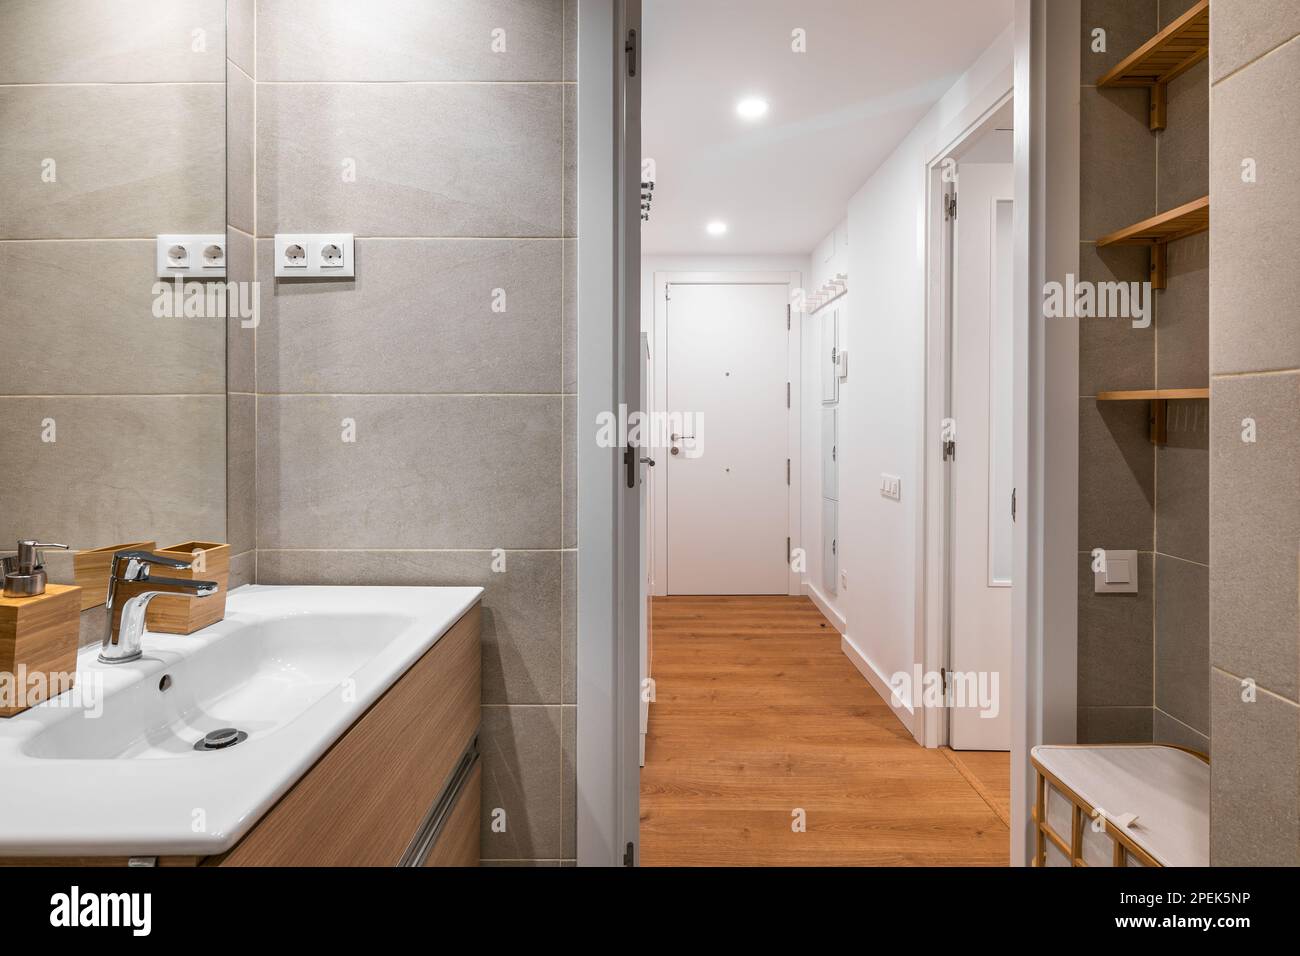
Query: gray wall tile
point(522, 773)
point(1168, 730)
point(1183, 483)
point(418, 317)
point(98, 336)
point(1182, 664)
point(1244, 30)
point(1116, 476)
point(521, 605)
point(241, 34)
point(571, 40)
point(112, 41)
point(569, 480)
point(447, 40)
point(424, 472)
point(431, 160)
point(132, 160)
point(1115, 650)
point(1253, 792)
point(570, 159)
point(240, 129)
point(85, 488)
point(1171, 10)
point(1255, 524)
point(1128, 24)
point(569, 627)
point(1185, 141)
point(1183, 317)
point(1117, 174)
point(243, 569)
point(1256, 115)
point(241, 471)
point(241, 333)
point(570, 316)
point(1114, 725)
point(569, 782)
point(1112, 353)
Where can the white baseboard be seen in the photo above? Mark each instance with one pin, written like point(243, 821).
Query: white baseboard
point(824, 606)
point(880, 684)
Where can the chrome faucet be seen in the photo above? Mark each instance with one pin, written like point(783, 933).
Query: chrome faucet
point(130, 589)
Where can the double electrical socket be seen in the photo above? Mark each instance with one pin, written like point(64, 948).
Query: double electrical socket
point(202, 256)
point(891, 486)
point(314, 254)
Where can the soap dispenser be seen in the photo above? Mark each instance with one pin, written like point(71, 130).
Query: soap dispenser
point(25, 572)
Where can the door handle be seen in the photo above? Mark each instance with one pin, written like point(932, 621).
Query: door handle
point(648, 461)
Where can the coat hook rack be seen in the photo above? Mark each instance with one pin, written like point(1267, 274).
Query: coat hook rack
point(828, 292)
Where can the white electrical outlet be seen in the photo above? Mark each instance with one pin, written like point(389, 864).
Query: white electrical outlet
point(891, 487)
point(844, 580)
point(188, 255)
point(298, 255)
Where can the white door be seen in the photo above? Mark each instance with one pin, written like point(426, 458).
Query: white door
point(981, 546)
point(727, 468)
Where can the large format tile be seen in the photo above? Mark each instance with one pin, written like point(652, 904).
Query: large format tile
point(120, 469)
point(1113, 354)
point(1244, 30)
point(423, 472)
point(418, 317)
point(1256, 116)
point(131, 161)
point(569, 480)
point(569, 783)
point(430, 160)
point(1117, 151)
point(1183, 483)
point(1114, 651)
point(1185, 141)
point(522, 773)
point(1171, 10)
point(411, 40)
point(90, 329)
point(571, 316)
point(521, 604)
point(1254, 527)
point(241, 34)
point(1183, 317)
point(1253, 777)
point(1114, 725)
point(569, 627)
point(1128, 24)
point(1169, 730)
point(571, 40)
point(112, 41)
point(1116, 476)
point(1183, 641)
point(570, 188)
point(240, 163)
point(241, 472)
point(241, 332)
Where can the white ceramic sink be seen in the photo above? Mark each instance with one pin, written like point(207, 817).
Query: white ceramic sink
point(292, 667)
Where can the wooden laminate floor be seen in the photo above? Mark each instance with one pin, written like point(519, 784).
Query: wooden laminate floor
point(757, 714)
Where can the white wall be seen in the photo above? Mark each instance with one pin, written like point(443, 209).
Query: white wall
point(882, 403)
point(658, 342)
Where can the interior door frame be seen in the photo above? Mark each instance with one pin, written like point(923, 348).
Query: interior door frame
point(791, 280)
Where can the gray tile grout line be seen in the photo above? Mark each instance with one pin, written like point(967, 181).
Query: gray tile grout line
point(1237, 71)
point(1178, 721)
point(1239, 677)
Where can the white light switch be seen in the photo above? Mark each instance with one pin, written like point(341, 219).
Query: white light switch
point(891, 487)
point(1120, 575)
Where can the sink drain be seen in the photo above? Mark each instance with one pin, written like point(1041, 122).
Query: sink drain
point(220, 739)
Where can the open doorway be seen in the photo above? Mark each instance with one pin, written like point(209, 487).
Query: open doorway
point(785, 190)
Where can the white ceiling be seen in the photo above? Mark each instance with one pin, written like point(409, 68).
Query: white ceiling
point(871, 70)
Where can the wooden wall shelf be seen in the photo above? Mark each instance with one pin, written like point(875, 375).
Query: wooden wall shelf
point(1159, 399)
point(1165, 57)
point(1160, 230)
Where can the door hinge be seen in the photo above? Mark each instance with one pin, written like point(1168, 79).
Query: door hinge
point(835, 546)
point(950, 206)
point(629, 855)
point(630, 49)
point(950, 450)
point(630, 463)
point(943, 675)
point(1013, 506)
point(787, 471)
point(787, 394)
point(668, 293)
point(787, 316)
point(787, 550)
point(835, 452)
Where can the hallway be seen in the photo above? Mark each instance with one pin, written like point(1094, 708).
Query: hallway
point(757, 713)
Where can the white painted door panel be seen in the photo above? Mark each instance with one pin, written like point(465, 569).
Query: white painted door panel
point(728, 498)
point(830, 454)
point(830, 546)
point(981, 519)
point(830, 340)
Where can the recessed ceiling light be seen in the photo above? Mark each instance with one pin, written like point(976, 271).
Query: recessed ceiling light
point(752, 108)
point(716, 228)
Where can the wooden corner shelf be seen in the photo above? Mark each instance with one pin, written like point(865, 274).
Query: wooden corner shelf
point(1165, 57)
point(1160, 230)
point(1159, 399)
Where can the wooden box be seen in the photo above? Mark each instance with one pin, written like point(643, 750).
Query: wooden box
point(38, 639)
point(91, 569)
point(182, 615)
